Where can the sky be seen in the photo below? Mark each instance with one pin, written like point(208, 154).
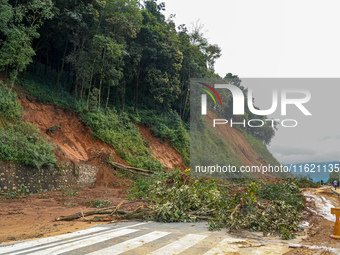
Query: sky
point(279, 39)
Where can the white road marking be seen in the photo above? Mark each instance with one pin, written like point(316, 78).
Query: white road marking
point(51, 241)
point(180, 245)
point(131, 244)
point(85, 242)
point(48, 240)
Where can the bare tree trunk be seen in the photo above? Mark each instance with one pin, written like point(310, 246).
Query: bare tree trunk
point(185, 105)
point(137, 86)
point(88, 96)
point(101, 80)
point(108, 96)
point(61, 70)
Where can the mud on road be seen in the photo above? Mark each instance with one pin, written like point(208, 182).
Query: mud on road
point(317, 213)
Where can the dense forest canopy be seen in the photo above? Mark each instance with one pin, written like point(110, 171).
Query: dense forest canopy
point(109, 53)
point(113, 50)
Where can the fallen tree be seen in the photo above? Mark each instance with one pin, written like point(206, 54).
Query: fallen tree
point(272, 208)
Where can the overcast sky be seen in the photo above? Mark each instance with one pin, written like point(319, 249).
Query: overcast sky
point(282, 39)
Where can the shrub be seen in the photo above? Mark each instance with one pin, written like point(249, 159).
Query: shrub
point(117, 130)
point(287, 191)
point(167, 125)
point(307, 182)
point(9, 107)
point(22, 143)
point(43, 89)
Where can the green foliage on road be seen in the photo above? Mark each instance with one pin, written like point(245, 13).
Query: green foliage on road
point(259, 206)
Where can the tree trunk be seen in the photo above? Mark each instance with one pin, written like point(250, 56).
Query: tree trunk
point(181, 99)
point(108, 95)
point(88, 96)
point(185, 105)
point(61, 70)
point(137, 83)
point(101, 80)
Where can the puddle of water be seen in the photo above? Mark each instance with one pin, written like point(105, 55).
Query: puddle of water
point(323, 205)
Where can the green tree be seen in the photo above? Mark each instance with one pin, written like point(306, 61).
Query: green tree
point(19, 23)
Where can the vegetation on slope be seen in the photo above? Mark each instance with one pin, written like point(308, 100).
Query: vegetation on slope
point(205, 140)
point(168, 126)
point(118, 131)
point(20, 141)
point(103, 59)
point(261, 150)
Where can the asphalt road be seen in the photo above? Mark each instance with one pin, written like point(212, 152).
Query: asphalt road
point(148, 238)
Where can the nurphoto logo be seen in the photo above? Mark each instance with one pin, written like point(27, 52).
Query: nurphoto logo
point(285, 97)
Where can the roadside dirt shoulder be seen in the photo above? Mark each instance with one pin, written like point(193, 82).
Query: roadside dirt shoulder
point(33, 216)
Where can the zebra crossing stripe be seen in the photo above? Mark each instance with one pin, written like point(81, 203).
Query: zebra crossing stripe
point(131, 244)
point(179, 245)
point(51, 241)
point(43, 241)
point(84, 242)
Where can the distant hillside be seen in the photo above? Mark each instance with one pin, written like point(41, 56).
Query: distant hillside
point(228, 145)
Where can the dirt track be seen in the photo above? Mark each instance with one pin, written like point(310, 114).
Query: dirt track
point(33, 216)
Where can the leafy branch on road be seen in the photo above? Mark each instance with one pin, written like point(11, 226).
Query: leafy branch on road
point(268, 207)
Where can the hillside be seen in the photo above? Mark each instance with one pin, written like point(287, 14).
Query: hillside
point(238, 143)
point(95, 109)
point(76, 143)
point(224, 145)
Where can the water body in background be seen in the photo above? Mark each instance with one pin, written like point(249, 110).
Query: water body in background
point(316, 171)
